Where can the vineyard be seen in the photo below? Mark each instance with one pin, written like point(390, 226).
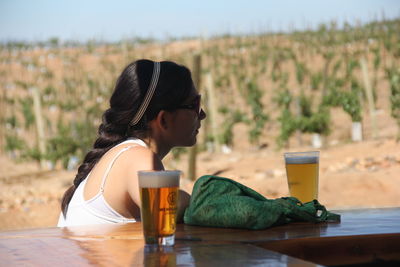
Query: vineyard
point(333, 89)
point(285, 88)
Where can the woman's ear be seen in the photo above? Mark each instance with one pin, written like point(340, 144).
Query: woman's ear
point(162, 120)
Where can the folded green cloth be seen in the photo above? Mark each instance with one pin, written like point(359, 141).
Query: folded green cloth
point(222, 202)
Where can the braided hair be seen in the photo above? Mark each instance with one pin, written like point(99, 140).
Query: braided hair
point(173, 88)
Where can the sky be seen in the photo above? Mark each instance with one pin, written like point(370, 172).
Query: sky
point(113, 20)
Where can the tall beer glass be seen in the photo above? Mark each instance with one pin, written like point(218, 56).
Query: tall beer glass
point(159, 191)
point(302, 170)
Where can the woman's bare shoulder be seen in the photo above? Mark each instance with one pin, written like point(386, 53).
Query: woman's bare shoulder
point(141, 158)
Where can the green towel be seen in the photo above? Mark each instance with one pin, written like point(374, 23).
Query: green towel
point(222, 202)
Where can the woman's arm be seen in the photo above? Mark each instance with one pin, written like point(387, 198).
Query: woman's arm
point(184, 199)
point(146, 160)
point(143, 159)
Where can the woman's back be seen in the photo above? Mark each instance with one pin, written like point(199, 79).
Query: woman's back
point(103, 197)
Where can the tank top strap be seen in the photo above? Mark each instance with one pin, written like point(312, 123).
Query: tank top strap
point(104, 179)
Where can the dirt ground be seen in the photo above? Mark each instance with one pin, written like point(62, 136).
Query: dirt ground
point(352, 175)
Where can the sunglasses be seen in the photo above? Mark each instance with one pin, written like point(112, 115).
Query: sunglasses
point(195, 105)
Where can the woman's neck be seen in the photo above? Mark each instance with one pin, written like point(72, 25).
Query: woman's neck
point(157, 147)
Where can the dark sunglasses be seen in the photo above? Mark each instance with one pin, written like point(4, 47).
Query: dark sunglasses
point(196, 105)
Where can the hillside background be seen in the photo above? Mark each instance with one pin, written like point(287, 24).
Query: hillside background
point(264, 95)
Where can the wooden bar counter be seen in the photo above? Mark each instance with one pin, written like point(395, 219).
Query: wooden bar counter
point(369, 236)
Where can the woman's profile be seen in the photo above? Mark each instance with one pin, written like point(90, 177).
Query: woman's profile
point(154, 107)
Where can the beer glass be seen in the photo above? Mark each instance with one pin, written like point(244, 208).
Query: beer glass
point(159, 191)
point(302, 174)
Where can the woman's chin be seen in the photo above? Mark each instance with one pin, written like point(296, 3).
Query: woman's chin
point(186, 144)
point(189, 141)
point(192, 142)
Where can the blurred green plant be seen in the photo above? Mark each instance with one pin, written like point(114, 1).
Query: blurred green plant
point(350, 101)
point(232, 117)
point(62, 146)
point(14, 144)
point(316, 79)
point(27, 111)
point(288, 123)
point(259, 118)
point(301, 72)
point(12, 121)
point(318, 122)
point(393, 76)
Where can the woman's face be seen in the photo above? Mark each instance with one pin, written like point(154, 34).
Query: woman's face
point(187, 120)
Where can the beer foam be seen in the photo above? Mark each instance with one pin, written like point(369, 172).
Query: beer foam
point(158, 179)
point(301, 160)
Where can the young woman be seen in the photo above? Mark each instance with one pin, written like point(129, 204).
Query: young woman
point(154, 107)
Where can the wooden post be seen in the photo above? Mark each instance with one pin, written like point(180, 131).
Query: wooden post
point(3, 116)
point(298, 115)
point(213, 112)
point(193, 150)
point(368, 90)
point(37, 105)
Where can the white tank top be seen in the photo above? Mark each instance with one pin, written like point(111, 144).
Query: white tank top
point(95, 210)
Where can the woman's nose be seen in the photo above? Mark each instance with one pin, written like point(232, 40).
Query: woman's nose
point(202, 115)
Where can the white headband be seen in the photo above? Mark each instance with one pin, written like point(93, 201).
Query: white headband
point(149, 94)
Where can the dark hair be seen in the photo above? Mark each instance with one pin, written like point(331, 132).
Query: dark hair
point(172, 89)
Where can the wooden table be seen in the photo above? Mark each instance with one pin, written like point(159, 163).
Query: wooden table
point(371, 235)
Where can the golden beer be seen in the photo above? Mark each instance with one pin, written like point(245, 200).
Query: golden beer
point(159, 210)
point(159, 191)
point(302, 173)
